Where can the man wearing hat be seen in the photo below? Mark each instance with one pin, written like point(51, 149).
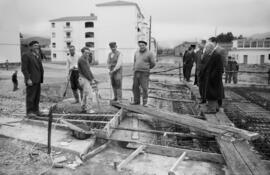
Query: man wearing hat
point(33, 72)
point(144, 60)
point(115, 67)
point(73, 73)
point(86, 78)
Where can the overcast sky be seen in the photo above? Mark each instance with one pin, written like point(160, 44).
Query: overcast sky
point(173, 20)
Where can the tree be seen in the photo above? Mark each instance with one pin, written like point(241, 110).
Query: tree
point(223, 38)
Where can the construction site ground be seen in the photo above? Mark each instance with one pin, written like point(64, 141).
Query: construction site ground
point(30, 156)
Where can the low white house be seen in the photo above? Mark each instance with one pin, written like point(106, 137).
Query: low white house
point(251, 51)
point(74, 30)
point(122, 22)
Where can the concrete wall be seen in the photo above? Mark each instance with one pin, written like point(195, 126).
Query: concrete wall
point(119, 24)
point(77, 30)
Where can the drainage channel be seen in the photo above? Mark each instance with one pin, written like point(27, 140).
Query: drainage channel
point(180, 92)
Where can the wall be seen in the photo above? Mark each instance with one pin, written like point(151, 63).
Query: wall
point(253, 55)
point(116, 23)
point(9, 33)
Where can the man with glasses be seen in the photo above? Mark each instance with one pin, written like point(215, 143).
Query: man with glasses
point(33, 72)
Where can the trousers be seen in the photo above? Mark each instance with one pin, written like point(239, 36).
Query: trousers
point(140, 80)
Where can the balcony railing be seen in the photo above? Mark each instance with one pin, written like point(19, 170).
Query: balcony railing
point(259, 44)
point(67, 28)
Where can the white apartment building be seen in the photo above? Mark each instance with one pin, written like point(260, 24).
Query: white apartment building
point(75, 30)
point(251, 51)
point(118, 21)
point(122, 22)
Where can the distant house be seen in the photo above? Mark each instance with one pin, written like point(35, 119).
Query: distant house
point(74, 30)
point(180, 49)
point(251, 51)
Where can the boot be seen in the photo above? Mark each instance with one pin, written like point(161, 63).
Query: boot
point(76, 96)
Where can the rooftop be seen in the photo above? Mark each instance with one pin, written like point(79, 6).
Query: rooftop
point(120, 3)
point(75, 18)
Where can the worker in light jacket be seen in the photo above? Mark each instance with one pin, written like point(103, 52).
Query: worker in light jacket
point(144, 60)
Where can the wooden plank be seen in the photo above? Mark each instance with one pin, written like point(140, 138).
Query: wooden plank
point(191, 154)
point(180, 159)
point(130, 157)
point(113, 123)
point(135, 125)
point(186, 120)
point(95, 151)
point(74, 127)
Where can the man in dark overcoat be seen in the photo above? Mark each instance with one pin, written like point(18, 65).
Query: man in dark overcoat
point(33, 72)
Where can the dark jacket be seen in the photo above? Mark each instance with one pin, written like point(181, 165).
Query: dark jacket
point(189, 58)
point(212, 74)
point(32, 67)
point(84, 69)
point(14, 78)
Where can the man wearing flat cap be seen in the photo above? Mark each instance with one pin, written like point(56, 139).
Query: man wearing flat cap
point(86, 79)
point(115, 67)
point(33, 72)
point(144, 60)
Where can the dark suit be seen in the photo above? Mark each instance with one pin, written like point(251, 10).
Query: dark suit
point(212, 73)
point(32, 69)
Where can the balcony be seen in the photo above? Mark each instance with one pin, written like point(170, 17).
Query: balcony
point(68, 39)
point(67, 28)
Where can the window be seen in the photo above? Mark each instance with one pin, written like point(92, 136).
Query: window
point(68, 34)
point(245, 59)
point(90, 44)
point(68, 44)
point(54, 55)
point(247, 44)
point(262, 59)
point(260, 43)
point(54, 45)
point(267, 43)
point(268, 56)
point(67, 24)
point(53, 25)
point(253, 44)
point(53, 34)
point(89, 35)
point(89, 24)
point(240, 44)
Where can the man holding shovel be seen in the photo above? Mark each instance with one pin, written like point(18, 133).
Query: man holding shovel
point(114, 63)
point(86, 79)
point(73, 73)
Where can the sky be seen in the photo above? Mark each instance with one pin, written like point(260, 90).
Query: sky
point(173, 21)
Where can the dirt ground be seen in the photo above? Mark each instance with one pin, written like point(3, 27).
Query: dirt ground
point(14, 154)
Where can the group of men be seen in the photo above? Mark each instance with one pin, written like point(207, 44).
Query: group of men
point(81, 77)
point(209, 61)
point(231, 69)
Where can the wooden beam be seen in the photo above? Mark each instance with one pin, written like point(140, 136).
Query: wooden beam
point(180, 159)
point(130, 157)
point(95, 151)
point(75, 128)
point(187, 121)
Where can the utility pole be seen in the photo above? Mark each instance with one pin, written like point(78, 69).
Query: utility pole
point(150, 28)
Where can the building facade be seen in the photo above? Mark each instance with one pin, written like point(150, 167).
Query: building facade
point(76, 30)
point(251, 51)
point(118, 21)
point(122, 22)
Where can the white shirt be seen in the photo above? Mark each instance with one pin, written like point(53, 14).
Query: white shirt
point(119, 61)
point(72, 62)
